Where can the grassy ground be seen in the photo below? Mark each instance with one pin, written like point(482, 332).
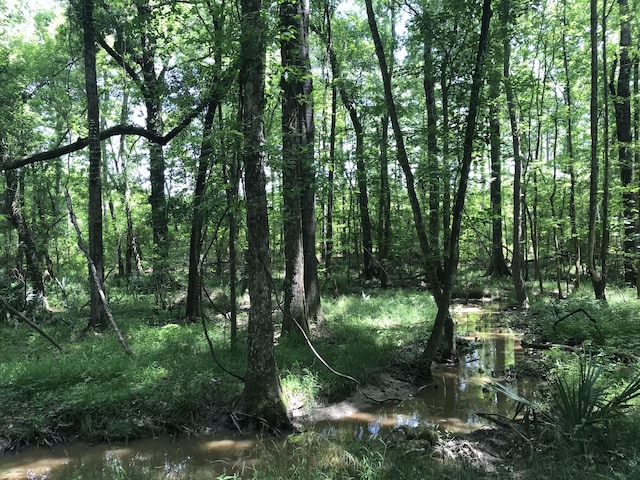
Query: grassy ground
point(91, 391)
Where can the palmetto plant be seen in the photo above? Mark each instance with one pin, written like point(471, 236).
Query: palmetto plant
point(577, 403)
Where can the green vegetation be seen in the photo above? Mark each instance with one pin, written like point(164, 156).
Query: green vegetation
point(91, 391)
point(585, 422)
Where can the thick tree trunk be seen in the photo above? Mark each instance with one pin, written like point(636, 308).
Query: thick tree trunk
point(295, 152)
point(622, 102)
point(262, 395)
point(96, 254)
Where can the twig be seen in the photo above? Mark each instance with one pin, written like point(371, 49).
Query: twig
point(29, 322)
point(96, 279)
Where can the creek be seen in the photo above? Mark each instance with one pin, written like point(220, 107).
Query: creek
point(453, 405)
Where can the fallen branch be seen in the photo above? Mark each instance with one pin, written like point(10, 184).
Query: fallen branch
point(96, 279)
point(549, 346)
point(29, 322)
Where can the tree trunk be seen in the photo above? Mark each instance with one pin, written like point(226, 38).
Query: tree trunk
point(295, 152)
point(597, 279)
point(14, 215)
point(577, 253)
point(622, 103)
point(96, 254)
point(443, 316)
point(194, 285)
point(497, 263)
point(384, 208)
point(433, 172)
point(261, 398)
point(517, 264)
point(403, 159)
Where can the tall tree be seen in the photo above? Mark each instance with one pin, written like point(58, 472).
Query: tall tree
point(262, 395)
point(518, 240)
point(497, 263)
point(622, 102)
point(598, 280)
point(96, 251)
point(443, 318)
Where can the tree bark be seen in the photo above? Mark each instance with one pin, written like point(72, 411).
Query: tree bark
point(517, 263)
point(194, 285)
point(96, 253)
point(384, 206)
point(575, 240)
point(497, 263)
point(598, 280)
point(622, 103)
point(261, 398)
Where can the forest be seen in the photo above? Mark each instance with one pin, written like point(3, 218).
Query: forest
point(215, 210)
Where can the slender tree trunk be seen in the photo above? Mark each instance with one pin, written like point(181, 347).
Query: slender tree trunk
point(13, 212)
point(497, 263)
point(517, 264)
point(575, 240)
point(194, 279)
point(384, 208)
point(332, 153)
point(433, 173)
point(232, 180)
point(96, 254)
point(262, 395)
point(597, 279)
point(604, 243)
point(403, 159)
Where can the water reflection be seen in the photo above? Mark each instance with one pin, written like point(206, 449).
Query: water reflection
point(459, 392)
point(162, 458)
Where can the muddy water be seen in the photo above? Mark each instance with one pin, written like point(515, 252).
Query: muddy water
point(452, 404)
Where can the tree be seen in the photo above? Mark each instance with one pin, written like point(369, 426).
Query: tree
point(262, 395)
point(96, 254)
point(516, 265)
point(598, 280)
point(622, 102)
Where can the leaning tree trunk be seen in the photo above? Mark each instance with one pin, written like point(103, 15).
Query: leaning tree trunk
point(261, 399)
point(96, 254)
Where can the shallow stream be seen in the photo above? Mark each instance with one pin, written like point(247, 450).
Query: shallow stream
point(454, 404)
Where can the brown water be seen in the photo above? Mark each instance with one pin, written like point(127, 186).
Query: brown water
point(454, 405)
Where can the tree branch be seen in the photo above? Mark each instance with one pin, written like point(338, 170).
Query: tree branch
point(105, 134)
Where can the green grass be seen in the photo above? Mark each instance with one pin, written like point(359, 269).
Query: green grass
point(92, 391)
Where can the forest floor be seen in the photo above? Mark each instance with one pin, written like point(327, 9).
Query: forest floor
point(91, 392)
